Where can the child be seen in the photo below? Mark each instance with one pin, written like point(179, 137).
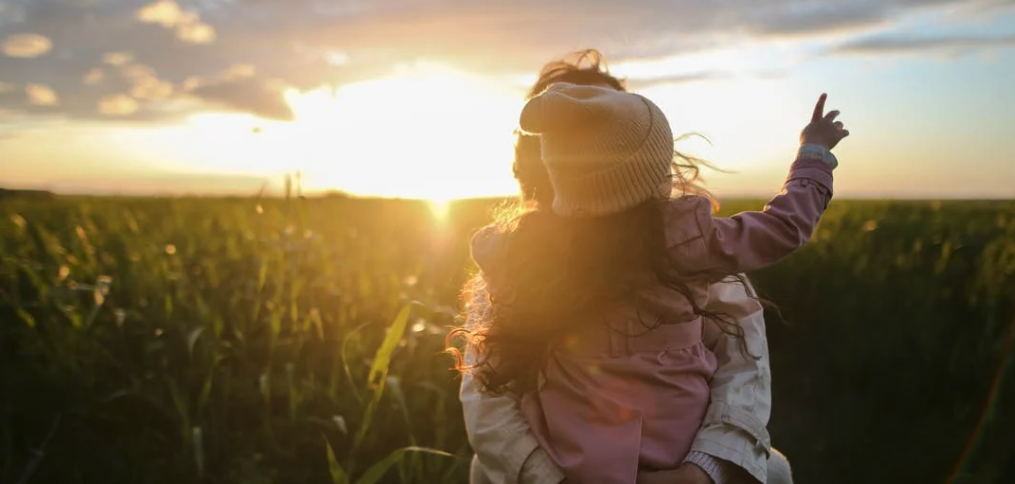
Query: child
point(596, 308)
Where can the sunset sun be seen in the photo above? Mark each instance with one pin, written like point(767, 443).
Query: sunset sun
point(425, 132)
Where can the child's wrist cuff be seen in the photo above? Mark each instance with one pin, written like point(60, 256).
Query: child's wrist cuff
point(817, 152)
point(718, 470)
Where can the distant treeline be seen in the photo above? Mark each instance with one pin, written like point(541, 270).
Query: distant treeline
point(39, 194)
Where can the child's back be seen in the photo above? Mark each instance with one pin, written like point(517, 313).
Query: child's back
point(626, 386)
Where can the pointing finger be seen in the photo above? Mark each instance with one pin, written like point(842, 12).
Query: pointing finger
point(819, 108)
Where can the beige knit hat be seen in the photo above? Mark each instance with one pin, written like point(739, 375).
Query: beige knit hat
point(605, 150)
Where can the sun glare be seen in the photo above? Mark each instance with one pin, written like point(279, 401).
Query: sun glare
point(426, 132)
point(439, 207)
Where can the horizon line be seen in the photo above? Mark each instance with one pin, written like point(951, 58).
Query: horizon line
point(325, 194)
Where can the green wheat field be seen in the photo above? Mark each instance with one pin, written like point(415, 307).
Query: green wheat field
point(292, 340)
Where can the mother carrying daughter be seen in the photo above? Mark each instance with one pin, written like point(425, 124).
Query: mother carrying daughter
point(596, 309)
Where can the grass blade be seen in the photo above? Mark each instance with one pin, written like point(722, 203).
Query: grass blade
point(377, 471)
point(338, 475)
point(379, 370)
point(345, 360)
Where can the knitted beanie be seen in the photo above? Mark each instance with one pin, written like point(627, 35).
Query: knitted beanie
point(605, 150)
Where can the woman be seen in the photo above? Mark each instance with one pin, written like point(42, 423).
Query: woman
point(732, 446)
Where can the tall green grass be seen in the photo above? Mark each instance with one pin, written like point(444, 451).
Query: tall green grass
point(224, 341)
point(291, 340)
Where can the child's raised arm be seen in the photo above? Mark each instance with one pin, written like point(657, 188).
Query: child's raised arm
point(753, 240)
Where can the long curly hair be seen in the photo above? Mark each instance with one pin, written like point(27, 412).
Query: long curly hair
point(557, 273)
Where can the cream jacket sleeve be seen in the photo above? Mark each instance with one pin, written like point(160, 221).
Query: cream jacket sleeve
point(506, 450)
point(735, 425)
point(734, 428)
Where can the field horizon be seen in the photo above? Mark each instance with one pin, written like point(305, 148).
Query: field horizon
point(338, 194)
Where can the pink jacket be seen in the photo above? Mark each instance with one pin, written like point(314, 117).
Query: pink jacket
point(732, 444)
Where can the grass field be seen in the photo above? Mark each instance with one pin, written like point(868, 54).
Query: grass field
point(298, 341)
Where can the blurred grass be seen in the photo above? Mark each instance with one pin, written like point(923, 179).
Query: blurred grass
point(249, 341)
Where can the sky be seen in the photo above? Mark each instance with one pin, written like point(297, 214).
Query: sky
point(419, 98)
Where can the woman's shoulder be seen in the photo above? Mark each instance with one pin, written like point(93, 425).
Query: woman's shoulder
point(486, 235)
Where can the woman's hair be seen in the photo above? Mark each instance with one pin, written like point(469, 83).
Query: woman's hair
point(554, 273)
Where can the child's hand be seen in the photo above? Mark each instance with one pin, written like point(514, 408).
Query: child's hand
point(824, 130)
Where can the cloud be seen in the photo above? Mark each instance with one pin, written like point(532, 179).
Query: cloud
point(907, 45)
point(117, 58)
point(240, 71)
point(165, 13)
point(819, 18)
point(196, 32)
point(192, 82)
point(26, 45)
point(639, 84)
point(337, 58)
point(93, 77)
point(187, 24)
point(243, 54)
point(247, 95)
point(6, 87)
point(145, 83)
point(41, 95)
point(512, 35)
point(117, 105)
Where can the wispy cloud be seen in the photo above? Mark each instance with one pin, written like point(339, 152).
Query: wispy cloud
point(117, 105)
point(26, 45)
point(187, 24)
point(640, 84)
point(93, 76)
point(117, 58)
point(243, 54)
point(247, 95)
point(41, 95)
point(907, 45)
